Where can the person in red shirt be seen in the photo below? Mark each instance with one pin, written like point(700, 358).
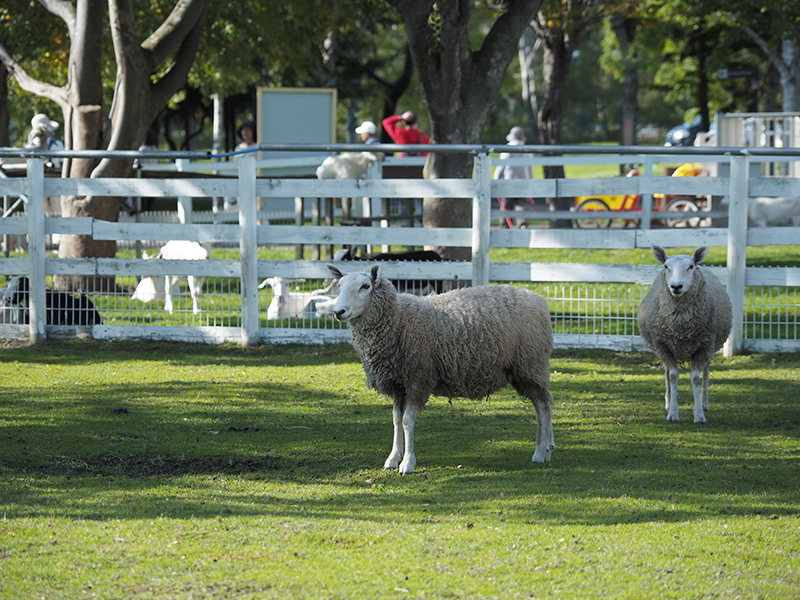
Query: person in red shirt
point(403, 130)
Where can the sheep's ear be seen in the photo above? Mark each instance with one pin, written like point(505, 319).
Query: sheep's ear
point(334, 270)
point(373, 272)
point(659, 253)
point(700, 254)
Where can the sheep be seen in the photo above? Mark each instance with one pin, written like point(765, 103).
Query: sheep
point(287, 304)
point(763, 211)
point(465, 343)
point(62, 308)
point(685, 317)
point(157, 288)
point(350, 165)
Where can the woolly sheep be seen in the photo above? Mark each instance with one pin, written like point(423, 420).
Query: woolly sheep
point(350, 165)
point(465, 343)
point(685, 318)
point(763, 211)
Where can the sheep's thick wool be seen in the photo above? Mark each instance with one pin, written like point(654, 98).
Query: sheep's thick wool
point(464, 343)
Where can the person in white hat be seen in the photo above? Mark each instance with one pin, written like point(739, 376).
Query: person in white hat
point(368, 132)
point(515, 137)
point(43, 136)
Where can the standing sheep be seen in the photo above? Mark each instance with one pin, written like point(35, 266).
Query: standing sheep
point(465, 343)
point(685, 318)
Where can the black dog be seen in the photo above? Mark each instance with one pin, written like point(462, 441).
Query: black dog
point(62, 308)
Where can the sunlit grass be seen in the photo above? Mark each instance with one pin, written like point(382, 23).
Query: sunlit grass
point(159, 470)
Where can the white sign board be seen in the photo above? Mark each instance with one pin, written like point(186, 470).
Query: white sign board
point(296, 116)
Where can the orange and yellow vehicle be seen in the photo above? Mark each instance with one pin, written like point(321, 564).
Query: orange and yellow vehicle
point(632, 202)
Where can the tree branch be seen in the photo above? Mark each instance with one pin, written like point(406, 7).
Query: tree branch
point(175, 29)
point(63, 10)
point(773, 56)
point(31, 85)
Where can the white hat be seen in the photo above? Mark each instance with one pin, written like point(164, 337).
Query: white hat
point(517, 134)
point(367, 127)
point(41, 120)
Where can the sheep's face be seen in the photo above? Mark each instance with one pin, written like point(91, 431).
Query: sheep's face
point(679, 270)
point(355, 292)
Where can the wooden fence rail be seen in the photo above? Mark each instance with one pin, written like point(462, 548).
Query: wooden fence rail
point(737, 186)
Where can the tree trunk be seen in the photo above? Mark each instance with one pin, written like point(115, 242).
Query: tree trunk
point(529, 44)
point(558, 48)
point(790, 76)
point(625, 30)
point(459, 87)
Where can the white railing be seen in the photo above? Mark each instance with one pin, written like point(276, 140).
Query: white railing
point(480, 238)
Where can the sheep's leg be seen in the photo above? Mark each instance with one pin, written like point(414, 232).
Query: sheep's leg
point(396, 454)
point(195, 285)
point(666, 387)
point(409, 421)
point(170, 281)
point(705, 388)
point(672, 391)
point(697, 388)
point(545, 443)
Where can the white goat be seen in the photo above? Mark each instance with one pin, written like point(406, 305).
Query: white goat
point(764, 211)
point(288, 304)
point(348, 165)
point(158, 288)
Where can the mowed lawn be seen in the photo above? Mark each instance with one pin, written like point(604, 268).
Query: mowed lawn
point(158, 470)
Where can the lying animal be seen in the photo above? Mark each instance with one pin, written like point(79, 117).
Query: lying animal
point(161, 288)
point(288, 304)
point(417, 287)
point(348, 165)
point(62, 308)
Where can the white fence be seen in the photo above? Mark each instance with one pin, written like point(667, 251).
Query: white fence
point(599, 312)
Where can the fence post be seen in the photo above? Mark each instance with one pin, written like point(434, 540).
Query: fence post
point(481, 219)
point(248, 250)
point(185, 212)
point(37, 300)
point(737, 249)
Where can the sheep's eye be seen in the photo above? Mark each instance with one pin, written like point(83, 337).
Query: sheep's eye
point(691, 267)
point(365, 286)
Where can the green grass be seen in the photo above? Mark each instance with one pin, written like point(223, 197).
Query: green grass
point(156, 470)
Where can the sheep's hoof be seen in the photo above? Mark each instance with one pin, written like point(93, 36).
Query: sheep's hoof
point(406, 468)
point(540, 457)
point(672, 418)
point(700, 419)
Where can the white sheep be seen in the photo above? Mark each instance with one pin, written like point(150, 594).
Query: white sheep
point(685, 318)
point(764, 211)
point(288, 304)
point(465, 343)
point(158, 288)
point(350, 165)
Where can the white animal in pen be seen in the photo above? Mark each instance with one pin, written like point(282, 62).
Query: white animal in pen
point(162, 288)
point(465, 343)
point(286, 303)
point(350, 165)
point(685, 317)
point(765, 211)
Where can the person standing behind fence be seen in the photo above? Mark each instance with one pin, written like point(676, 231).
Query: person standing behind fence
point(515, 137)
point(368, 132)
point(247, 133)
point(403, 130)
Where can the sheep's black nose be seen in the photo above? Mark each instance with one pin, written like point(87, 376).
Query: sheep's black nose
point(677, 287)
point(338, 314)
